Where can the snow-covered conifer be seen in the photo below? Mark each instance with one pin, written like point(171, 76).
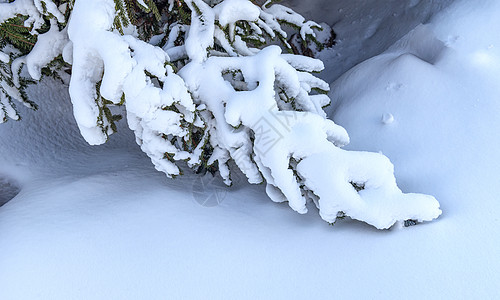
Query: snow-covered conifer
point(199, 83)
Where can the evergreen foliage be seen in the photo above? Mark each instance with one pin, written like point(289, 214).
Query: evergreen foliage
point(165, 19)
point(13, 32)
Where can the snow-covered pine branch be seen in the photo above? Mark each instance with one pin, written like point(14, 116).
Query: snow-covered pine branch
point(210, 94)
point(28, 35)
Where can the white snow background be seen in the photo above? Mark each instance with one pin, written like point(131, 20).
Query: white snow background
point(98, 222)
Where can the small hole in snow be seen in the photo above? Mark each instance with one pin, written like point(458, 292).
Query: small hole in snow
point(358, 186)
point(8, 190)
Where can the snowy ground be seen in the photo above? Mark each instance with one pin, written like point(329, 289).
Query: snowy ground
point(101, 223)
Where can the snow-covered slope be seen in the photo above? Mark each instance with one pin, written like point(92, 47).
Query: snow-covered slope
point(431, 103)
point(365, 28)
point(100, 223)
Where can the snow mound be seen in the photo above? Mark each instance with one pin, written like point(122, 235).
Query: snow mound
point(440, 85)
point(430, 102)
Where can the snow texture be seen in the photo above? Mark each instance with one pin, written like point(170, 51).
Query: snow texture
point(95, 222)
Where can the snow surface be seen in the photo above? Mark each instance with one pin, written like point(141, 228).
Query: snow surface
point(364, 28)
point(98, 222)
